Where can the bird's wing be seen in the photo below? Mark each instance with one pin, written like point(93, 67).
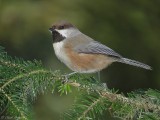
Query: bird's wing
point(94, 47)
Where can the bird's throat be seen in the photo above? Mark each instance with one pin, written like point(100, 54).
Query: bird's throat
point(57, 37)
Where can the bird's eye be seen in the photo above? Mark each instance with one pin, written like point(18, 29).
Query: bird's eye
point(61, 27)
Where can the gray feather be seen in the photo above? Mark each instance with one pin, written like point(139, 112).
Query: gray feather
point(134, 63)
point(94, 47)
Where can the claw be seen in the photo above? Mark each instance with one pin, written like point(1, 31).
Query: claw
point(65, 79)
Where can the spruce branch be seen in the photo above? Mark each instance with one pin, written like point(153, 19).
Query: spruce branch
point(7, 60)
point(121, 106)
point(21, 81)
point(22, 76)
point(140, 103)
point(89, 108)
point(22, 114)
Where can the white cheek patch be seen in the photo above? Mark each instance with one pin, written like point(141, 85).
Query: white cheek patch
point(68, 32)
point(65, 32)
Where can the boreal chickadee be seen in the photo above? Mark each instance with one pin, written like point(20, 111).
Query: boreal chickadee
point(83, 54)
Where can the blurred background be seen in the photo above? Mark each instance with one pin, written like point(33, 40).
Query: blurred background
point(132, 28)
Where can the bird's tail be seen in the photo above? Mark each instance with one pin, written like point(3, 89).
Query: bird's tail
point(135, 63)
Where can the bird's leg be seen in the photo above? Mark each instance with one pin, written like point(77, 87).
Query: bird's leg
point(67, 76)
point(71, 73)
point(99, 76)
point(104, 85)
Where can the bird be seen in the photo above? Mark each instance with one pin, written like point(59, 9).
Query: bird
point(83, 54)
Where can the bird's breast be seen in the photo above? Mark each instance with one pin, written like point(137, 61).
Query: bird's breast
point(60, 52)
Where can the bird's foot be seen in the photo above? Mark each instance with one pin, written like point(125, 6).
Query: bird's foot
point(104, 86)
point(66, 77)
